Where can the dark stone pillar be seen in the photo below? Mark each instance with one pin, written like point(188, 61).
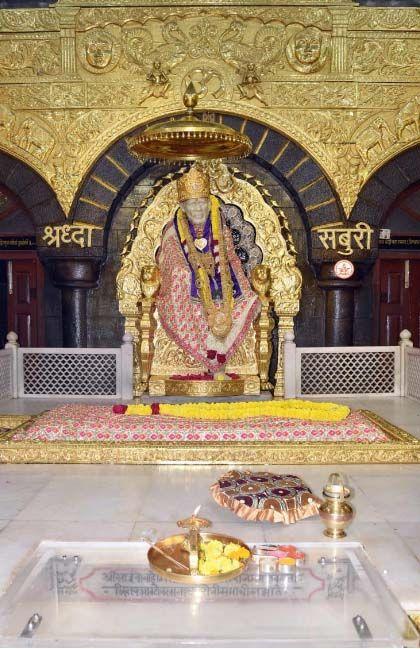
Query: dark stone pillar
point(73, 304)
point(74, 277)
point(339, 306)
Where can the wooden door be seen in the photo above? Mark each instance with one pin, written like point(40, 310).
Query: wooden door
point(399, 289)
point(414, 301)
point(23, 308)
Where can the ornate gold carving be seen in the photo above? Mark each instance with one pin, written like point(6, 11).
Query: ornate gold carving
point(278, 255)
point(400, 447)
point(169, 358)
point(386, 57)
point(206, 81)
point(9, 422)
point(261, 283)
point(250, 87)
point(150, 283)
point(363, 65)
point(384, 19)
point(28, 57)
point(307, 49)
point(26, 20)
point(407, 120)
point(99, 51)
point(161, 386)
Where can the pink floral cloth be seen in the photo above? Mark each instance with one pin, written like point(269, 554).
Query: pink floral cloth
point(84, 423)
point(183, 317)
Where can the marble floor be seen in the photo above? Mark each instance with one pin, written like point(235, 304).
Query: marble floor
point(77, 502)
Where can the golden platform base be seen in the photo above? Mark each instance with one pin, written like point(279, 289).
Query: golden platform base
point(160, 386)
point(400, 448)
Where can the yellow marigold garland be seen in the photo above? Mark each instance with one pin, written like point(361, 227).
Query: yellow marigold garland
point(289, 408)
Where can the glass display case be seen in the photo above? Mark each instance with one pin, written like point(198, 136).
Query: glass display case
point(105, 594)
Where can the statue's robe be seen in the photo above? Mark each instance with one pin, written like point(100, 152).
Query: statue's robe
point(180, 308)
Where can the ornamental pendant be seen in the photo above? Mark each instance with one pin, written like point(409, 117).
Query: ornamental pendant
point(200, 243)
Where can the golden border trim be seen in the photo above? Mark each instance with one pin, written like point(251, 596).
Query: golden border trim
point(401, 448)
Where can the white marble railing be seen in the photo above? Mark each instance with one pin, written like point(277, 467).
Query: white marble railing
point(308, 371)
point(345, 371)
point(6, 373)
point(71, 372)
point(412, 373)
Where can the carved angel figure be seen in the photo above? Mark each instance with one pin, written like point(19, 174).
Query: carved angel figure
point(250, 87)
point(158, 80)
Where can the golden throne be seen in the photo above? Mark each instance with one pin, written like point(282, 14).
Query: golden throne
point(158, 361)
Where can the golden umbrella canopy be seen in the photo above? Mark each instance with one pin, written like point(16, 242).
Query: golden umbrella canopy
point(189, 138)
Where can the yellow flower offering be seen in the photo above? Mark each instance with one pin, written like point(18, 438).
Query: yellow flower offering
point(217, 558)
point(288, 408)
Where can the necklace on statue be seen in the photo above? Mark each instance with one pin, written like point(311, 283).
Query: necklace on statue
point(200, 241)
point(203, 264)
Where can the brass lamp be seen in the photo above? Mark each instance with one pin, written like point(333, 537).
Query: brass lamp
point(193, 538)
point(335, 512)
point(189, 138)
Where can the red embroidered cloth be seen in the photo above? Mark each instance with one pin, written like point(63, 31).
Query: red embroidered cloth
point(86, 423)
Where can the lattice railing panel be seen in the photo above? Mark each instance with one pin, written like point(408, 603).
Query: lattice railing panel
point(413, 373)
point(6, 361)
point(369, 372)
point(70, 374)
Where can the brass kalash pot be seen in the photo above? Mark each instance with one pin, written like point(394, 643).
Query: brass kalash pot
point(335, 512)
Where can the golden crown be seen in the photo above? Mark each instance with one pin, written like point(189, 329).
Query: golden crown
point(194, 184)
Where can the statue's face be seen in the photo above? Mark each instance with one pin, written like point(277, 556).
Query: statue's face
point(98, 53)
point(308, 47)
point(196, 209)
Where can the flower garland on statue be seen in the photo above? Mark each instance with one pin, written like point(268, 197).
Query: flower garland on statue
point(287, 409)
point(219, 319)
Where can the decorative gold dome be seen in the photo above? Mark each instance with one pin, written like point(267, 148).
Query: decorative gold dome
point(189, 138)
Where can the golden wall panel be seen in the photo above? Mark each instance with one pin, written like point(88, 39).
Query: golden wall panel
point(342, 80)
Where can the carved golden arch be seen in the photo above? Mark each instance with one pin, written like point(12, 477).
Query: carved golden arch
point(134, 298)
point(384, 161)
point(124, 128)
point(27, 160)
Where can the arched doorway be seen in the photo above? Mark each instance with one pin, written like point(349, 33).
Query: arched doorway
point(118, 184)
point(398, 268)
point(391, 202)
point(29, 303)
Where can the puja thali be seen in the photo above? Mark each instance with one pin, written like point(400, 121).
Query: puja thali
point(198, 557)
point(175, 547)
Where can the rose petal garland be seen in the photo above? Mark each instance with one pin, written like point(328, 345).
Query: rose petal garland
point(289, 408)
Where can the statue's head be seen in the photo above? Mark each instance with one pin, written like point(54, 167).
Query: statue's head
point(194, 194)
